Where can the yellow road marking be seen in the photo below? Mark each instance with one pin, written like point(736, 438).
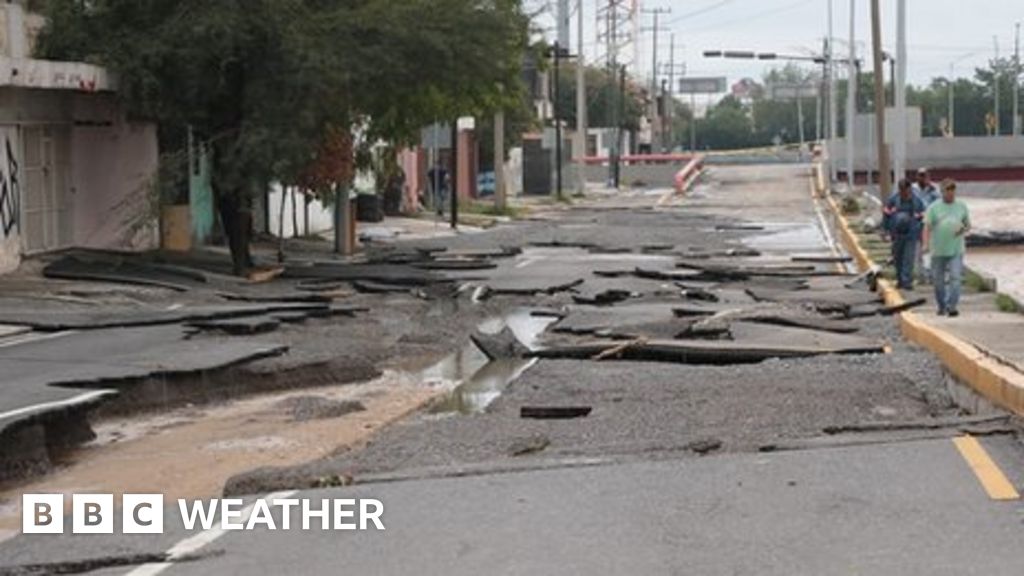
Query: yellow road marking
point(991, 477)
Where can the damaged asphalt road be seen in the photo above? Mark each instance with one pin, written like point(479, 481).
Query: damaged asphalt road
point(785, 349)
point(797, 357)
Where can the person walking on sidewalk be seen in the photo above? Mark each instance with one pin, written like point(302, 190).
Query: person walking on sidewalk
point(929, 193)
point(946, 226)
point(439, 181)
point(904, 213)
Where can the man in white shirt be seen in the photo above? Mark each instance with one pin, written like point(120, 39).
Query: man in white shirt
point(929, 193)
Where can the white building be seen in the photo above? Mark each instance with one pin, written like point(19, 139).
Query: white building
point(73, 170)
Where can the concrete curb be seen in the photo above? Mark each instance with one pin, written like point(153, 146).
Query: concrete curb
point(995, 381)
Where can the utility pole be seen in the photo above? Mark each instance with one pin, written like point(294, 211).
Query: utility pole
point(833, 110)
point(800, 116)
point(558, 125)
point(884, 181)
point(613, 72)
point(1016, 80)
point(656, 12)
point(995, 76)
point(900, 90)
point(581, 104)
point(455, 174)
point(693, 122)
point(619, 128)
point(851, 98)
point(952, 108)
point(670, 99)
point(500, 198)
point(618, 25)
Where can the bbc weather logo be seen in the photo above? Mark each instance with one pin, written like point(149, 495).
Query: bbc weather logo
point(144, 514)
point(92, 514)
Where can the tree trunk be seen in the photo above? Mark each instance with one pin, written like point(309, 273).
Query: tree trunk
point(295, 213)
point(237, 219)
point(280, 225)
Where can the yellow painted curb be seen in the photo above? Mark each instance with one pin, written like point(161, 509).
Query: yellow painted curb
point(1000, 384)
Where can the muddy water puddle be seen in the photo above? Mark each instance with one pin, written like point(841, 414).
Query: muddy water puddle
point(189, 452)
point(788, 238)
point(474, 381)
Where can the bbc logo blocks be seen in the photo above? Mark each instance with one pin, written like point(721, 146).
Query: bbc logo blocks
point(92, 514)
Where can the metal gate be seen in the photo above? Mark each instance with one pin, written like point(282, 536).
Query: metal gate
point(47, 223)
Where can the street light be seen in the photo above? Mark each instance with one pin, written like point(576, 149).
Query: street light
point(952, 85)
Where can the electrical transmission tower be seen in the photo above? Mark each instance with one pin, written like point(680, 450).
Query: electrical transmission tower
point(618, 25)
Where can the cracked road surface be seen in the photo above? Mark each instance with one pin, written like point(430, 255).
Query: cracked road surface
point(836, 464)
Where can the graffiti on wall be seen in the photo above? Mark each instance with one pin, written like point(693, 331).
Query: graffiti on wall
point(10, 190)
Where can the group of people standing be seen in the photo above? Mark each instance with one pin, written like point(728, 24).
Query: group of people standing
point(927, 226)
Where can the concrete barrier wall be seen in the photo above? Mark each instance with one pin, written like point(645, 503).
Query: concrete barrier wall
point(959, 152)
point(653, 175)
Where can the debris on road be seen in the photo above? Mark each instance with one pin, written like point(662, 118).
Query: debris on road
point(555, 412)
point(504, 344)
point(529, 445)
point(305, 408)
point(705, 446)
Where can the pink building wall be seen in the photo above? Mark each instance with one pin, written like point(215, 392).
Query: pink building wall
point(113, 199)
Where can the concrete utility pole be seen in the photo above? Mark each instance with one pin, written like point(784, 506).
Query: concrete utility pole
point(500, 197)
point(833, 110)
point(455, 174)
point(900, 93)
point(884, 178)
point(851, 98)
point(995, 76)
point(670, 98)
point(1016, 80)
point(580, 143)
point(656, 12)
point(952, 107)
point(558, 125)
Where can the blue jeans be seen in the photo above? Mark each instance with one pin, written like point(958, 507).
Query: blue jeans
point(947, 275)
point(904, 253)
point(439, 196)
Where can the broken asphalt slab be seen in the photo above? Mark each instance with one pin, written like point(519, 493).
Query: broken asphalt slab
point(63, 371)
point(48, 319)
point(395, 274)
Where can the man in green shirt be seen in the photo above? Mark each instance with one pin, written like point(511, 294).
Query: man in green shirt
point(946, 225)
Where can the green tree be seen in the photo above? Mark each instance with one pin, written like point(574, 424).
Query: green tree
point(603, 90)
point(262, 81)
point(726, 126)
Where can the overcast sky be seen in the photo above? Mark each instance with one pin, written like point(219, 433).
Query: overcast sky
point(939, 32)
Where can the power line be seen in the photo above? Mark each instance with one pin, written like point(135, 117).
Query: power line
point(754, 16)
point(696, 13)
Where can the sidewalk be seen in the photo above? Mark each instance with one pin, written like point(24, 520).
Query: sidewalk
point(984, 347)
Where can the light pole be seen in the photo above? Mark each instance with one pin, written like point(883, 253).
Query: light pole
point(952, 92)
point(851, 96)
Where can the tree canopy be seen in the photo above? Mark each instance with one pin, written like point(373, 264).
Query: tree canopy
point(264, 82)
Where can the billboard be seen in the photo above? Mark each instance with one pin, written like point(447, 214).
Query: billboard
point(709, 85)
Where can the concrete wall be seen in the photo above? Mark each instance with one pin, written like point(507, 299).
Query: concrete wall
point(10, 199)
point(651, 175)
point(113, 204)
point(321, 218)
point(959, 152)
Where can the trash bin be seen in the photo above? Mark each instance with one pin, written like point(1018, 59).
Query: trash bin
point(368, 208)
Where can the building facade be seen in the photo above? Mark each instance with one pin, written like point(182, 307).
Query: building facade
point(74, 172)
